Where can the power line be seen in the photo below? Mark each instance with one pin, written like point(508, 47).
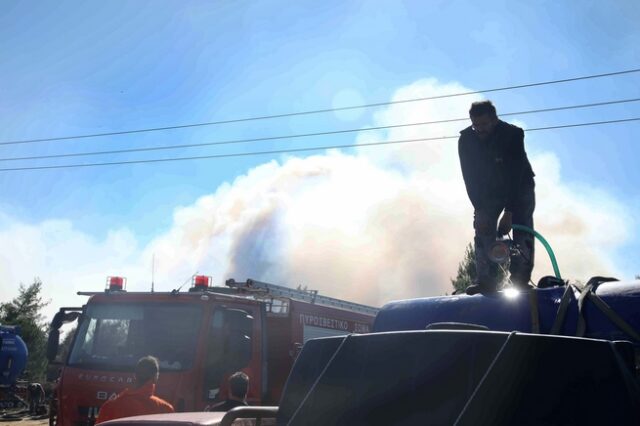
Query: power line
point(320, 111)
point(291, 150)
point(304, 135)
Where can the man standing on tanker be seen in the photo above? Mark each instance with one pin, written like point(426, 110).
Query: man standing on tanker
point(499, 180)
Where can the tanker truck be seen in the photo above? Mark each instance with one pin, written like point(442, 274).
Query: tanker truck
point(13, 360)
point(200, 337)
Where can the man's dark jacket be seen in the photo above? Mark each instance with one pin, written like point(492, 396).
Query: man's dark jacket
point(495, 170)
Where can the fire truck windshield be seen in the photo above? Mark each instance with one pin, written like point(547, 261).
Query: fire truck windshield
point(114, 336)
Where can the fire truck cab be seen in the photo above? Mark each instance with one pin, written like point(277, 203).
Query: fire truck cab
point(200, 337)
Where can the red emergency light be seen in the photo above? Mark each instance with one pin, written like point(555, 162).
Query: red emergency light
point(116, 283)
point(200, 282)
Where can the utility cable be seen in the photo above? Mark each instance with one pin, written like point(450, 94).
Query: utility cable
point(320, 111)
point(291, 150)
point(305, 135)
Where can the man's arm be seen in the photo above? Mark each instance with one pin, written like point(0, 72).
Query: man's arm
point(469, 173)
point(161, 406)
point(219, 406)
point(515, 168)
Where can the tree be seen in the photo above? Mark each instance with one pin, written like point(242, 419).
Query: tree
point(25, 311)
point(467, 271)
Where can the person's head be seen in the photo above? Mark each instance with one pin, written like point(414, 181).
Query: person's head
point(238, 385)
point(147, 369)
point(483, 118)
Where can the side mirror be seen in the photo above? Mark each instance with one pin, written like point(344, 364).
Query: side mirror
point(63, 316)
point(53, 341)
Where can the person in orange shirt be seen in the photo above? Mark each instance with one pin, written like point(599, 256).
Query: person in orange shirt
point(139, 400)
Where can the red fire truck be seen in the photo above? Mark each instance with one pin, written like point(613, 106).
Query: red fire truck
point(200, 337)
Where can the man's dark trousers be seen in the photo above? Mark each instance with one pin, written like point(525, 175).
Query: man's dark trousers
point(522, 265)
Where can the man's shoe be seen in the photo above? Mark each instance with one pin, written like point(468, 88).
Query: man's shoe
point(473, 289)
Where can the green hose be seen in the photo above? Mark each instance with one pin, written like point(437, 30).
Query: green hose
point(546, 245)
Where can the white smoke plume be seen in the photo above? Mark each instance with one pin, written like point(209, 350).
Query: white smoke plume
point(379, 224)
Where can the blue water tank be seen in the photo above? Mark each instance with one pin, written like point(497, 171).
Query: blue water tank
point(13, 354)
point(525, 312)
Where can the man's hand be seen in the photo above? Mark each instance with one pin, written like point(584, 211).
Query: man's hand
point(504, 227)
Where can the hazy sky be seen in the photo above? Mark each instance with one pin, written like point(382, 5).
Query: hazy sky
point(368, 224)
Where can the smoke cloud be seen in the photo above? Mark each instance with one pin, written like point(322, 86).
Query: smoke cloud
point(377, 224)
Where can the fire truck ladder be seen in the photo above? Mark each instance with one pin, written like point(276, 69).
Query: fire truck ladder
point(310, 296)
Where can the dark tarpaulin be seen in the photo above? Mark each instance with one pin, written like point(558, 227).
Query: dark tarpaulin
point(440, 377)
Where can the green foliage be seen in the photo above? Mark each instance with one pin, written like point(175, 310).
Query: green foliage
point(466, 271)
point(26, 311)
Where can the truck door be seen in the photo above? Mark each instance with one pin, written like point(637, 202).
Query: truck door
point(229, 347)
